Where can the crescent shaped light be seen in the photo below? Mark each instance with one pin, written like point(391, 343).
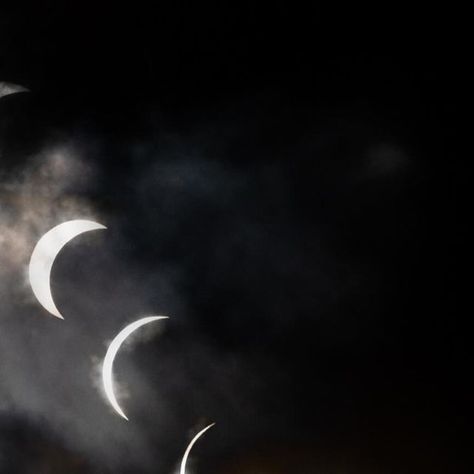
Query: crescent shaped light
point(107, 366)
point(7, 88)
point(44, 254)
point(190, 446)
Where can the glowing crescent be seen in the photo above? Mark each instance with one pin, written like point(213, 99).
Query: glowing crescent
point(188, 449)
point(7, 88)
point(44, 254)
point(107, 367)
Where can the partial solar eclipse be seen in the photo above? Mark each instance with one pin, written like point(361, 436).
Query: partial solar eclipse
point(190, 446)
point(107, 366)
point(44, 254)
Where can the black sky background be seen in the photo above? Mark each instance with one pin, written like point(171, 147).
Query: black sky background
point(294, 172)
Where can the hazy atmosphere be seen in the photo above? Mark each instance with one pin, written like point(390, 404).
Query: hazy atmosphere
point(285, 200)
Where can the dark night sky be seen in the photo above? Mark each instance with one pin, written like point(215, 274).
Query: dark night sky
point(281, 183)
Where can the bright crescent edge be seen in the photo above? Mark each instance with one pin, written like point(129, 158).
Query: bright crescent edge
point(44, 254)
point(190, 446)
point(114, 346)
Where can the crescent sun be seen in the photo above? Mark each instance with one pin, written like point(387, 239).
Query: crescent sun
point(107, 366)
point(190, 446)
point(44, 254)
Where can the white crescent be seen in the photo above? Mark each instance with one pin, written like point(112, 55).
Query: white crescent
point(44, 254)
point(7, 88)
point(190, 446)
point(107, 366)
